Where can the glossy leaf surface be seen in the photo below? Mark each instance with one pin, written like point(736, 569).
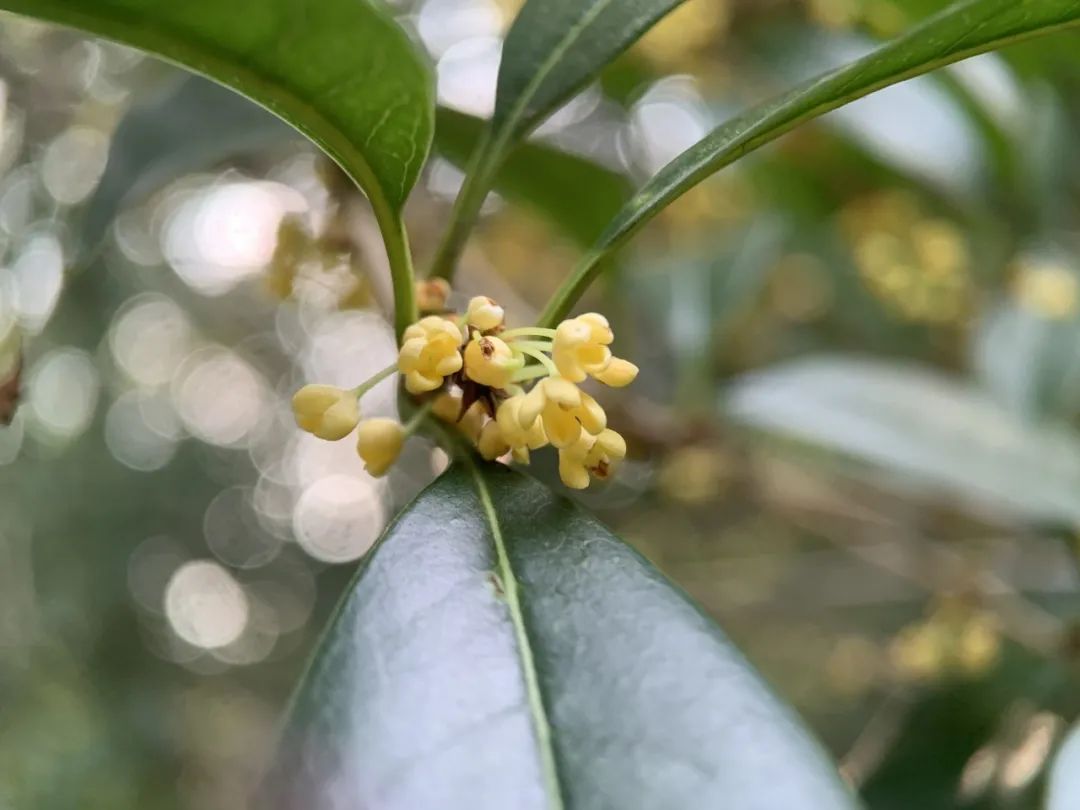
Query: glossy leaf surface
point(504, 649)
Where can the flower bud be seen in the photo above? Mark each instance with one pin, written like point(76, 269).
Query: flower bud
point(580, 347)
point(325, 411)
point(432, 294)
point(379, 442)
point(591, 456)
point(484, 314)
point(490, 361)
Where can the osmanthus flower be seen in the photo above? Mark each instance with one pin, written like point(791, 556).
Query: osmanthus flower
point(580, 350)
point(520, 440)
point(505, 391)
point(430, 353)
point(484, 314)
point(491, 362)
point(563, 409)
point(591, 457)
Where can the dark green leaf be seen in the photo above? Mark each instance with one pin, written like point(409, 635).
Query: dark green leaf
point(572, 192)
point(501, 648)
point(933, 430)
point(963, 30)
point(555, 47)
point(552, 50)
point(340, 71)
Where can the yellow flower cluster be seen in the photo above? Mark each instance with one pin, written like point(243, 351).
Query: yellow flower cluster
point(502, 417)
point(473, 373)
point(918, 266)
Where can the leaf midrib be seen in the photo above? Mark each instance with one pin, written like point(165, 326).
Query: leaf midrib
point(534, 694)
point(516, 112)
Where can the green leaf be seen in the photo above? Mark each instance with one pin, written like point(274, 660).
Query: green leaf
point(552, 50)
point(501, 648)
point(572, 192)
point(963, 30)
point(1028, 358)
point(555, 47)
point(933, 431)
point(340, 71)
point(1030, 362)
point(948, 721)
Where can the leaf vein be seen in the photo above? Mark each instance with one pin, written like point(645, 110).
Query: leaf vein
point(537, 709)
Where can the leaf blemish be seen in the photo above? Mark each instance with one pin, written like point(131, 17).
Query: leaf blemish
point(497, 584)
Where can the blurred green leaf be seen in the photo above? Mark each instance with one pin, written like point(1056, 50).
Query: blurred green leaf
point(1030, 362)
point(200, 123)
point(555, 47)
point(953, 720)
point(572, 192)
point(501, 648)
point(931, 429)
point(965, 29)
point(340, 71)
point(696, 300)
point(929, 129)
point(189, 128)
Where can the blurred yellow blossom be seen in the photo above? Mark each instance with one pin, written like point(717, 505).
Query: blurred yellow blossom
point(916, 265)
point(1047, 289)
point(432, 295)
point(954, 640)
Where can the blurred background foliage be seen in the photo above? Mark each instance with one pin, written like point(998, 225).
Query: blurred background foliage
point(854, 437)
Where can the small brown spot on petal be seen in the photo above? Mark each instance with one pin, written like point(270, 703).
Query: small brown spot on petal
point(601, 469)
